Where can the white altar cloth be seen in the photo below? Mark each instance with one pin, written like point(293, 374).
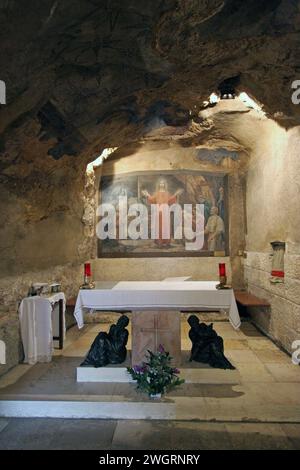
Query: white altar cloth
point(152, 295)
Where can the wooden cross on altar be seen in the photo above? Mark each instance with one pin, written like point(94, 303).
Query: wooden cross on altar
point(156, 329)
point(152, 328)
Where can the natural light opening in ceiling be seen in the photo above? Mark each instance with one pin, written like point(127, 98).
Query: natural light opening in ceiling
point(214, 98)
point(99, 160)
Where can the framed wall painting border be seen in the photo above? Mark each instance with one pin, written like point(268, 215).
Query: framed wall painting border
point(221, 179)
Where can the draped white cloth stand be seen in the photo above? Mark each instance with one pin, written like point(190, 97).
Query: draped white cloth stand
point(39, 325)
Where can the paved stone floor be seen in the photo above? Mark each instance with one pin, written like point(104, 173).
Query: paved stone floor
point(40, 433)
point(257, 406)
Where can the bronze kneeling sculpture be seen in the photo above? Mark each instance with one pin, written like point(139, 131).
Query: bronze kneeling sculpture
point(207, 346)
point(109, 348)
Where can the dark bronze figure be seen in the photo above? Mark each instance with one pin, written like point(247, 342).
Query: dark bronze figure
point(207, 346)
point(109, 348)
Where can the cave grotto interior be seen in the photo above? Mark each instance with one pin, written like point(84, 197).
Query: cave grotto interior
point(190, 102)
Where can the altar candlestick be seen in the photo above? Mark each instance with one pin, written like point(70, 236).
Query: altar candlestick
point(222, 273)
point(87, 273)
point(88, 283)
point(87, 269)
point(222, 269)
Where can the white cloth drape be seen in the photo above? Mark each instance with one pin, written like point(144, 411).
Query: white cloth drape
point(39, 320)
point(35, 315)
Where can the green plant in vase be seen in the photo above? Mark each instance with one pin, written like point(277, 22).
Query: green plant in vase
point(156, 376)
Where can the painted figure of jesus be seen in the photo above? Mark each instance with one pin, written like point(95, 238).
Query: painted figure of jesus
point(162, 196)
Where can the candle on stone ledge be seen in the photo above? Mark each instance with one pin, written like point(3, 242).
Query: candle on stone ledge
point(222, 269)
point(88, 283)
point(222, 273)
point(87, 269)
point(87, 273)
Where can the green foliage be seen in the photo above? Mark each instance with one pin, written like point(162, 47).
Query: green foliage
point(157, 375)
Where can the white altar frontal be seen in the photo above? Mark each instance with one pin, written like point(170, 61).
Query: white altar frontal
point(156, 307)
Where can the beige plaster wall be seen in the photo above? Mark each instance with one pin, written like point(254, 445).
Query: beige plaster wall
point(273, 183)
point(273, 213)
point(153, 269)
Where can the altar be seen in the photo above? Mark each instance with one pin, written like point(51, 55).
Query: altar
point(156, 307)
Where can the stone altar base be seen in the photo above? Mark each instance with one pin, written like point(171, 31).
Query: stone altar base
point(152, 328)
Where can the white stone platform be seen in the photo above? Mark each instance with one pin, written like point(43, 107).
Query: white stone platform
point(190, 375)
point(242, 407)
point(264, 388)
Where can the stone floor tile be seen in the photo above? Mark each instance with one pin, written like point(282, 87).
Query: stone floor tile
point(84, 434)
point(279, 393)
point(235, 344)
point(225, 329)
point(76, 351)
point(141, 435)
point(292, 431)
point(262, 344)
point(3, 423)
point(176, 435)
point(187, 390)
point(242, 356)
point(98, 327)
point(198, 436)
point(45, 434)
point(223, 410)
point(283, 372)
point(14, 375)
point(250, 331)
point(28, 434)
point(190, 409)
point(273, 356)
point(253, 436)
point(221, 392)
point(212, 376)
point(254, 372)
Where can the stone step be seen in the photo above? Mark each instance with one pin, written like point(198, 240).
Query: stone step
point(167, 408)
point(190, 375)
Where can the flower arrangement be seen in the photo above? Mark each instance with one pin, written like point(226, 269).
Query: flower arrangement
point(157, 375)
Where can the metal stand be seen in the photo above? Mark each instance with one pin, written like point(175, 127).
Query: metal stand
point(60, 337)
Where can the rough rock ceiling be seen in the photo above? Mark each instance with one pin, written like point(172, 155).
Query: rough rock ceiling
point(86, 74)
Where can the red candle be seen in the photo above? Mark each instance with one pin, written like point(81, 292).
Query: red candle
point(87, 269)
point(222, 269)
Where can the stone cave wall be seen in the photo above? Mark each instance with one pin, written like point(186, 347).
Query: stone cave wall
point(200, 268)
point(46, 235)
point(273, 213)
